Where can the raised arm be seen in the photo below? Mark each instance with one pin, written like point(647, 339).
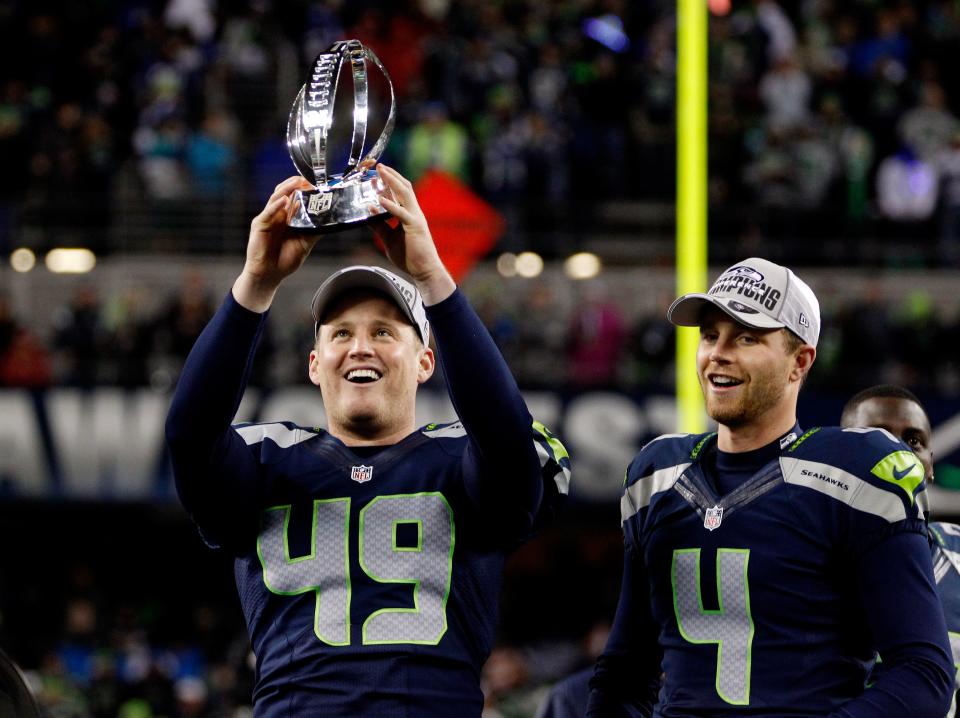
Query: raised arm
point(215, 473)
point(502, 466)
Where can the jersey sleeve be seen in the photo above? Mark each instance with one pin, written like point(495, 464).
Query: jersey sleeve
point(945, 548)
point(883, 528)
point(514, 470)
point(626, 679)
point(876, 479)
point(915, 676)
point(215, 471)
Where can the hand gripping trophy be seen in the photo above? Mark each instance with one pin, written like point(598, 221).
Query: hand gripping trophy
point(349, 197)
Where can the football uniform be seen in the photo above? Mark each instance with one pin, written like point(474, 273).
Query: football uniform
point(368, 577)
point(761, 588)
point(945, 545)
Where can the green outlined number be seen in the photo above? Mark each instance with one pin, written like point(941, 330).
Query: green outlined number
point(427, 565)
point(730, 626)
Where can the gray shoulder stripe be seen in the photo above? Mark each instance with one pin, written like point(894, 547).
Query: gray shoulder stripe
point(562, 477)
point(449, 432)
point(665, 436)
point(282, 436)
point(638, 494)
point(868, 429)
point(845, 487)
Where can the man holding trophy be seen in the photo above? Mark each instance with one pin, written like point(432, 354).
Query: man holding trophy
point(368, 555)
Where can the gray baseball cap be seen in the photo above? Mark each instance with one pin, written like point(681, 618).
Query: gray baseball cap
point(361, 276)
point(758, 294)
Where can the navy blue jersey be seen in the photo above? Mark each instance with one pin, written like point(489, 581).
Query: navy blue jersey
point(771, 600)
point(368, 578)
point(945, 544)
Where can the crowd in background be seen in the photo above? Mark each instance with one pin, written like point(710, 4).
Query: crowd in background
point(161, 124)
point(166, 120)
point(576, 338)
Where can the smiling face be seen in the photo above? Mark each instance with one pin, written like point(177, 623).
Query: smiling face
point(368, 362)
point(750, 377)
point(903, 418)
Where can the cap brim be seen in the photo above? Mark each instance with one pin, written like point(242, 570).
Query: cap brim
point(357, 278)
point(687, 311)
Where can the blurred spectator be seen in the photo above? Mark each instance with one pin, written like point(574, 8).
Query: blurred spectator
point(24, 360)
point(596, 340)
point(650, 349)
point(914, 343)
point(436, 142)
point(195, 15)
point(506, 685)
point(928, 128)
point(781, 36)
point(130, 339)
point(211, 156)
point(786, 91)
point(80, 338)
point(541, 339)
point(161, 152)
point(907, 187)
point(179, 324)
point(947, 163)
point(866, 330)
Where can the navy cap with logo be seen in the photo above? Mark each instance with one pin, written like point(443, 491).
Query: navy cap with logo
point(361, 276)
point(759, 294)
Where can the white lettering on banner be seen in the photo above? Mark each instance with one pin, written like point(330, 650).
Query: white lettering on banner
point(545, 407)
point(108, 443)
point(22, 461)
point(248, 406)
point(602, 430)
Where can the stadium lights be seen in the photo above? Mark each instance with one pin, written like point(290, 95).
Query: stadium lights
point(529, 264)
point(582, 265)
point(507, 264)
point(22, 260)
point(70, 260)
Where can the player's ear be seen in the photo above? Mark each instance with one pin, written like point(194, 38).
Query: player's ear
point(313, 367)
point(427, 363)
point(802, 362)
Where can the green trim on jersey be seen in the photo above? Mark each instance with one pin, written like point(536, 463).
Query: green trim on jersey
point(902, 469)
point(556, 447)
point(699, 447)
point(806, 435)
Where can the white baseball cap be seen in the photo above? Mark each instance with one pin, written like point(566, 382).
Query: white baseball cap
point(759, 294)
point(361, 276)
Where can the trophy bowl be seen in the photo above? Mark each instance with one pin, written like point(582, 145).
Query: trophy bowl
point(347, 196)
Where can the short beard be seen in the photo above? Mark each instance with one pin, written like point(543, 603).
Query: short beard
point(366, 425)
point(752, 406)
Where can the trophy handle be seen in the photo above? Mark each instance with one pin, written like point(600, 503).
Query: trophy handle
point(312, 114)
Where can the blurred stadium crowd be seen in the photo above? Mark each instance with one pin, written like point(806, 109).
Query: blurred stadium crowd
point(159, 126)
point(554, 337)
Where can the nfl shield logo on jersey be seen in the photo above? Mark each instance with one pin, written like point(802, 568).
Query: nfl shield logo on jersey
point(360, 474)
point(713, 518)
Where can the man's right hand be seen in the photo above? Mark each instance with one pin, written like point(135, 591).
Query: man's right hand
point(274, 251)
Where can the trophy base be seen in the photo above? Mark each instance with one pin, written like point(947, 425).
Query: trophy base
point(337, 205)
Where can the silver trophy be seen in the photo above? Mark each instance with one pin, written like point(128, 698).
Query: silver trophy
point(342, 198)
